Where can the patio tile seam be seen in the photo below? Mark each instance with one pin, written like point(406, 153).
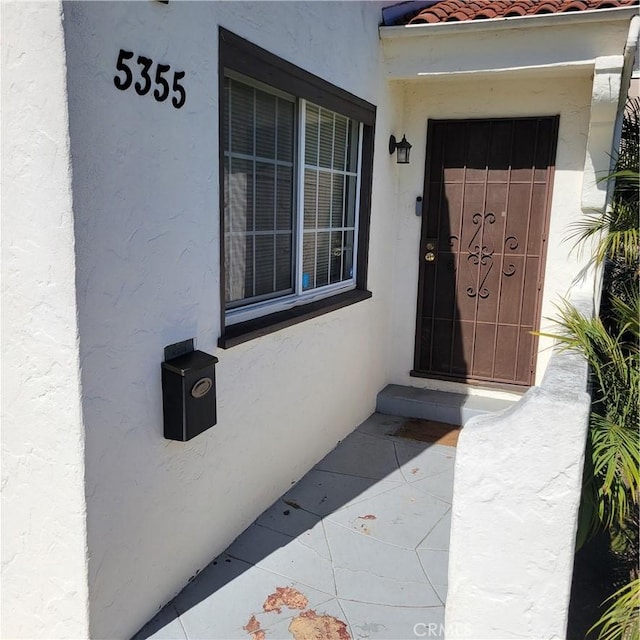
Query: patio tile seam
point(444, 515)
point(426, 491)
point(387, 577)
point(371, 537)
point(356, 475)
point(432, 549)
point(400, 466)
point(287, 578)
point(395, 455)
point(318, 554)
point(426, 575)
point(333, 568)
point(184, 630)
point(264, 526)
point(299, 507)
point(296, 539)
point(395, 606)
point(352, 503)
point(345, 618)
point(435, 497)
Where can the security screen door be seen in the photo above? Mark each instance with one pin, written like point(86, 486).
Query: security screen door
point(487, 196)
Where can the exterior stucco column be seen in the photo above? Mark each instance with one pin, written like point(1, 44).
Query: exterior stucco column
point(44, 565)
point(607, 75)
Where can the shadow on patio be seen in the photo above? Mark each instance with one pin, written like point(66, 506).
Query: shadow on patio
point(357, 548)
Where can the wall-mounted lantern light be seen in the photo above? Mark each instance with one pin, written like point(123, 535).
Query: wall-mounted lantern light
point(403, 147)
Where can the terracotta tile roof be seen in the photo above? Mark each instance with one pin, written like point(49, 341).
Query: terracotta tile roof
point(461, 10)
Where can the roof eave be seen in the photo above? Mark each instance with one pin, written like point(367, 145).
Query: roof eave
point(516, 22)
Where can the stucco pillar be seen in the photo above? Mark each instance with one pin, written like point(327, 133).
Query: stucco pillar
point(44, 568)
point(518, 479)
point(605, 94)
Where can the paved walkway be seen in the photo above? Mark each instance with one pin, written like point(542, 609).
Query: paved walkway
point(357, 549)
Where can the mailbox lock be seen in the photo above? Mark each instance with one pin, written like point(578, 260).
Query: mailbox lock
point(201, 387)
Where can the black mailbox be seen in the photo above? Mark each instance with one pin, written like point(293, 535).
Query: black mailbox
point(188, 395)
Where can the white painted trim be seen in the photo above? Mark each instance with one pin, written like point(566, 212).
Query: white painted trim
point(500, 24)
point(605, 96)
point(563, 68)
point(273, 305)
point(299, 186)
point(356, 229)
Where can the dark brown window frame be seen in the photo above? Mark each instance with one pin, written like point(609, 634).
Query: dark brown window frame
point(240, 55)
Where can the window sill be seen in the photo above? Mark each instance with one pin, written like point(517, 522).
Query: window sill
point(251, 329)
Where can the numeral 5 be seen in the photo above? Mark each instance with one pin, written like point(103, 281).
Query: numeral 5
point(160, 69)
point(179, 89)
point(123, 85)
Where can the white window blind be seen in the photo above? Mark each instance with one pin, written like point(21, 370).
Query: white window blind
point(330, 186)
point(290, 222)
point(258, 180)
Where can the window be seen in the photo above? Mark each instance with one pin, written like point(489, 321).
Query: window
point(296, 155)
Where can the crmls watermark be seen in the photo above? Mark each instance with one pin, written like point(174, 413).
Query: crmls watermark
point(436, 630)
point(428, 630)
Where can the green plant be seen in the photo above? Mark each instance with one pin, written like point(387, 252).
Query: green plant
point(611, 485)
point(620, 620)
point(610, 343)
point(615, 230)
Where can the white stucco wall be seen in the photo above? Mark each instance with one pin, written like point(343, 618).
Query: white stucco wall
point(518, 479)
point(146, 203)
point(44, 587)
point(499, 96)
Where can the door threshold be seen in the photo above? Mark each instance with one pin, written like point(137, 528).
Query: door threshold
point(489, 385)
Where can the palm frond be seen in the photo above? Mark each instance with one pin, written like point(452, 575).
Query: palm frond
point(610, 344)
point(621, 621)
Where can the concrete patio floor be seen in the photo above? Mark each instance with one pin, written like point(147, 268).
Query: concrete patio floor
point(357, 549)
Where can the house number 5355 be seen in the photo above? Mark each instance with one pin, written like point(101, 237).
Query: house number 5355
point(147, 77)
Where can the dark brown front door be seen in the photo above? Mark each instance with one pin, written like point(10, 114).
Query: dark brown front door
point(487, 195)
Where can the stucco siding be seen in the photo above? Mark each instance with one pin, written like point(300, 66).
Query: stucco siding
point(517, 489)
point(44, 561)
point(147, 225)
